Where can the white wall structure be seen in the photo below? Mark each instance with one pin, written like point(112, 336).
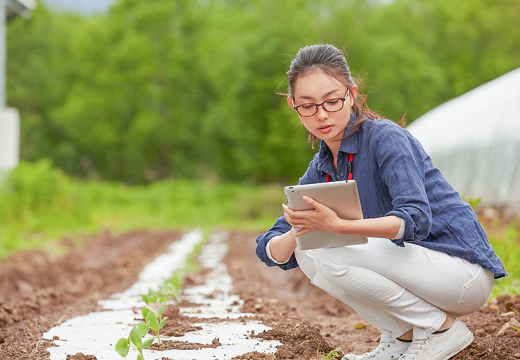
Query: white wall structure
point(9, 140)
point(474, 140)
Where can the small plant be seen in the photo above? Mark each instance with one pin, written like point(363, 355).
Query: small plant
point(172, 287)
point(334, 354)
point(135, 338)
point(154, 319)
point(514, 327)
point(153, 297)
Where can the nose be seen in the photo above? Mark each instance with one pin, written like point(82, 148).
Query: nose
point(322, 114)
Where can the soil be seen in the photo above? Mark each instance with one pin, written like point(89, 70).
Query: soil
point(38, 291)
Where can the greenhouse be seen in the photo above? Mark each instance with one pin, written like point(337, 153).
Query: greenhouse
point(474, 140)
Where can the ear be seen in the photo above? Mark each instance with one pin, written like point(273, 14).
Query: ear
point(290, 102)
point(353, 94)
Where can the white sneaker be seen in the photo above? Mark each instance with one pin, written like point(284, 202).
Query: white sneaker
point(388, 349)
point(439, 346)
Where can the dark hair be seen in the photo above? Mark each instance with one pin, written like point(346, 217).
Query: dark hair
point(330, 60)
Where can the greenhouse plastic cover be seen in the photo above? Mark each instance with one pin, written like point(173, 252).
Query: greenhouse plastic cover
point(474, 140)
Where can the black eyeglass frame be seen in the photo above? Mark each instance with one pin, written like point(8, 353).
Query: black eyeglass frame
point(316, 106)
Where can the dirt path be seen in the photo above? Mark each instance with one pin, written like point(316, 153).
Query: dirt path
point(37, 292)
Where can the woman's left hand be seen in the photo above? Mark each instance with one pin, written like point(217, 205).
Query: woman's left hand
point(321, 218)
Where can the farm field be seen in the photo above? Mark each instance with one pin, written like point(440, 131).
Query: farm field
point(38, 291)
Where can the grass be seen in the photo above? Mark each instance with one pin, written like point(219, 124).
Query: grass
point(40, 205)
point(507, 247)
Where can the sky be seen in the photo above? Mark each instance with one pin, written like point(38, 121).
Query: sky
point(82, 6)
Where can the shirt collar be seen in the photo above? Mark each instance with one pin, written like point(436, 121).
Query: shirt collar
point(348, 145)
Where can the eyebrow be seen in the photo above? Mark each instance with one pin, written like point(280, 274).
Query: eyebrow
point(311, 98)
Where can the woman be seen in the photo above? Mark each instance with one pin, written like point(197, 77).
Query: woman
point(427, 261)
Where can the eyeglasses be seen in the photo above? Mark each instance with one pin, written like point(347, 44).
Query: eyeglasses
point(332, 105)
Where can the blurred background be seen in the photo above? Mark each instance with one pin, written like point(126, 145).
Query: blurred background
point(165, 113)
point(138, 91)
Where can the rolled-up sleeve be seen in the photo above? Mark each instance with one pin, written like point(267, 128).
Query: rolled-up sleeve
point(280, 227)
point(401, 167)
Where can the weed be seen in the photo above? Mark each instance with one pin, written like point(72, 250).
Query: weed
point(517, 329)
point(334, 354)
point(136, 339)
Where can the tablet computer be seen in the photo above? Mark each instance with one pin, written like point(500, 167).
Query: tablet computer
point(340, 196)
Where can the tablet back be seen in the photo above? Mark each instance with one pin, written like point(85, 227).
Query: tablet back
point(340, 196)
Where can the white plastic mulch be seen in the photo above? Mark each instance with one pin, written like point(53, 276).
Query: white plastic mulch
point(97, 333)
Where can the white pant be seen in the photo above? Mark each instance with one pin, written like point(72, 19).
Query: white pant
point(398, 288)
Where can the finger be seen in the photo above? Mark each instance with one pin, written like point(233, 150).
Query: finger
point(286, 209)
point(311, 202)
point(302, 232)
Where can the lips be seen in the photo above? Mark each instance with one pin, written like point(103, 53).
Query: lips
point(325, 129)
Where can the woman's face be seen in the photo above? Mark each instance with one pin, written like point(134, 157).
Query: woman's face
point(317, 87)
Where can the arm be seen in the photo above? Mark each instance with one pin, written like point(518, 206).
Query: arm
point(281, 247)
point(401, 167)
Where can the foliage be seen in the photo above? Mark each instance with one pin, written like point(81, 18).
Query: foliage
point(186, 89)
point(38, 200)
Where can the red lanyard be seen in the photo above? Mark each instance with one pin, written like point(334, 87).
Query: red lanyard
point(349, 168)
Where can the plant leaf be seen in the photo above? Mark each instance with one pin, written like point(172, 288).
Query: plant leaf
point(147, 343)
point(161, 309)
point(123, 347)
point(152, 321)
point(163, 322)
point(145, 298)
point(140, 357)
point(143, 328)
point(152, 310)
point(145, 312)
point(135, 336)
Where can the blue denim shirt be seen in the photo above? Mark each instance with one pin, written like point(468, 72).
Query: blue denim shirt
point(395, 176)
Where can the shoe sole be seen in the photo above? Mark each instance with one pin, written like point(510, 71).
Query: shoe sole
point(456, 348)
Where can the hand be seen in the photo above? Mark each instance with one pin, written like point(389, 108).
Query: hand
point(320, 218)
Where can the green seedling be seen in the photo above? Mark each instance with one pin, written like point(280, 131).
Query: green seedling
point(171, 289)
point(154, 319)
point(153, 297)
point(514, 327)
point(136, 339)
